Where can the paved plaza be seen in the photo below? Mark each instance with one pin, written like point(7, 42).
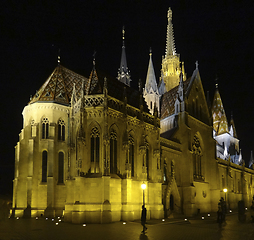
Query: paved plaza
point(177, 228)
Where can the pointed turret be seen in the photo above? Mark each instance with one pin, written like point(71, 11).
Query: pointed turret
point(171, 66)
point(123, 72)
point(93, 85)
point(220, 123)
point(150, 92)
point(251, 160)
point(232, 129)
point(162, 87)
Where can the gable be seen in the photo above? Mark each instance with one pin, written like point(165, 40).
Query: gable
point(195, 100)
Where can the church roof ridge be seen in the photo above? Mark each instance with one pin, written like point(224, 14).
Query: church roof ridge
point(59, 86)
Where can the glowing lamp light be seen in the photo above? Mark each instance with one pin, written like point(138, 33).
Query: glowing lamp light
point(230, 210)
point(203, 218)
point(84, 225)
point(185, 219)
point(56, 223)
point(246, 208)
point(225, 190)
point(163, 220)
point(60, 220)
point(124, 222)
point(17, 218)
point(46, 218)
point(143, 186)
point(58, 217)
point(53, 219)
point(36, 218)
point(208, 215)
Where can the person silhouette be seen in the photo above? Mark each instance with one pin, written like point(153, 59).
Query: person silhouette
point(143, 218)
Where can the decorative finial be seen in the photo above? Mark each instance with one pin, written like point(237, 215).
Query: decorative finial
point(150, 51)
point(123, 32)
point(105, 82)
point(169, 14)
point(216, 82)
point(94, 53)
point(196, 64)
point(59, 58)
point(139, 85)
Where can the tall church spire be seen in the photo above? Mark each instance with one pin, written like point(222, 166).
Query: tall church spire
point(171, 65)
point(170, 45)
point(123, 71)
point(151, 93)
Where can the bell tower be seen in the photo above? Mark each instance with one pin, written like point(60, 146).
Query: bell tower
point(171, 65)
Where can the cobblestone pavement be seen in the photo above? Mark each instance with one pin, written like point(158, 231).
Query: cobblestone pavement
point(195, 228)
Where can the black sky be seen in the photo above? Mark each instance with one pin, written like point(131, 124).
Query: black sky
point(219, 34)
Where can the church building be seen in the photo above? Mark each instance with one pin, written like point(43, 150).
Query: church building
point(88, 144)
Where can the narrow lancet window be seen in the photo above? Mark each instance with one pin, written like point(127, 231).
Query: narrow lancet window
point(61, 130)
point(60, 167)
point(95, 145)
point(45, 128)
point(44, 166)
point(113, 152)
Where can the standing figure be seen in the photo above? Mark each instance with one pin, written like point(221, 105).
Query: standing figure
point(219, 213)
point(143, 218)
point(224, 209)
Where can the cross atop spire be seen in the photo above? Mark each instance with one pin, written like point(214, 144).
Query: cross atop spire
point(196, 64)
point(170, 45)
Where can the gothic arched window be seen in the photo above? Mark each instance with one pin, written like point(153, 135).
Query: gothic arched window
point(113, 152)
point(61, 130)
point(131, 154)
point(60, 167)
point(44, 166)
point(45, 128)
point(197, 153)
point(95, 145)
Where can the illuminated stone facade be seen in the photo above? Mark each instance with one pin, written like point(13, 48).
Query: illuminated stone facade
point(87, 145)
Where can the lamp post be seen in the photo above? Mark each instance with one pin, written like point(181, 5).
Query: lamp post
point(143, 186)
point(225, 191)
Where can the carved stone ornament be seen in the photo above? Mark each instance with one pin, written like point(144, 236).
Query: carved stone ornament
point(142, 149)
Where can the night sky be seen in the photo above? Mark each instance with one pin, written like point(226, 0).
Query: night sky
point(218, 34)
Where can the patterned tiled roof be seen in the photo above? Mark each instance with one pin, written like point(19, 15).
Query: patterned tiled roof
point(59, 86)
point(168, 99)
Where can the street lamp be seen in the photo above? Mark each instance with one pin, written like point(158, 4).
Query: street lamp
point(143, 186)
point(225, 191)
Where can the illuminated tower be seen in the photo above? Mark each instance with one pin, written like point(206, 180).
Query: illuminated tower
point(123, 72)
point(150, 92)
point(171, 65)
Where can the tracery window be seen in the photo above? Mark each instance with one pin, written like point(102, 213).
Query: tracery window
point(60, 167)
point(61, 130)
point(197, 154)
point(113, 152)
point(45, 128)
point(95, 145)
point(131, 154)
point(44, 166)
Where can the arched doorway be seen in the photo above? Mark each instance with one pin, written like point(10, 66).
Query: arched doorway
point(171, 202)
